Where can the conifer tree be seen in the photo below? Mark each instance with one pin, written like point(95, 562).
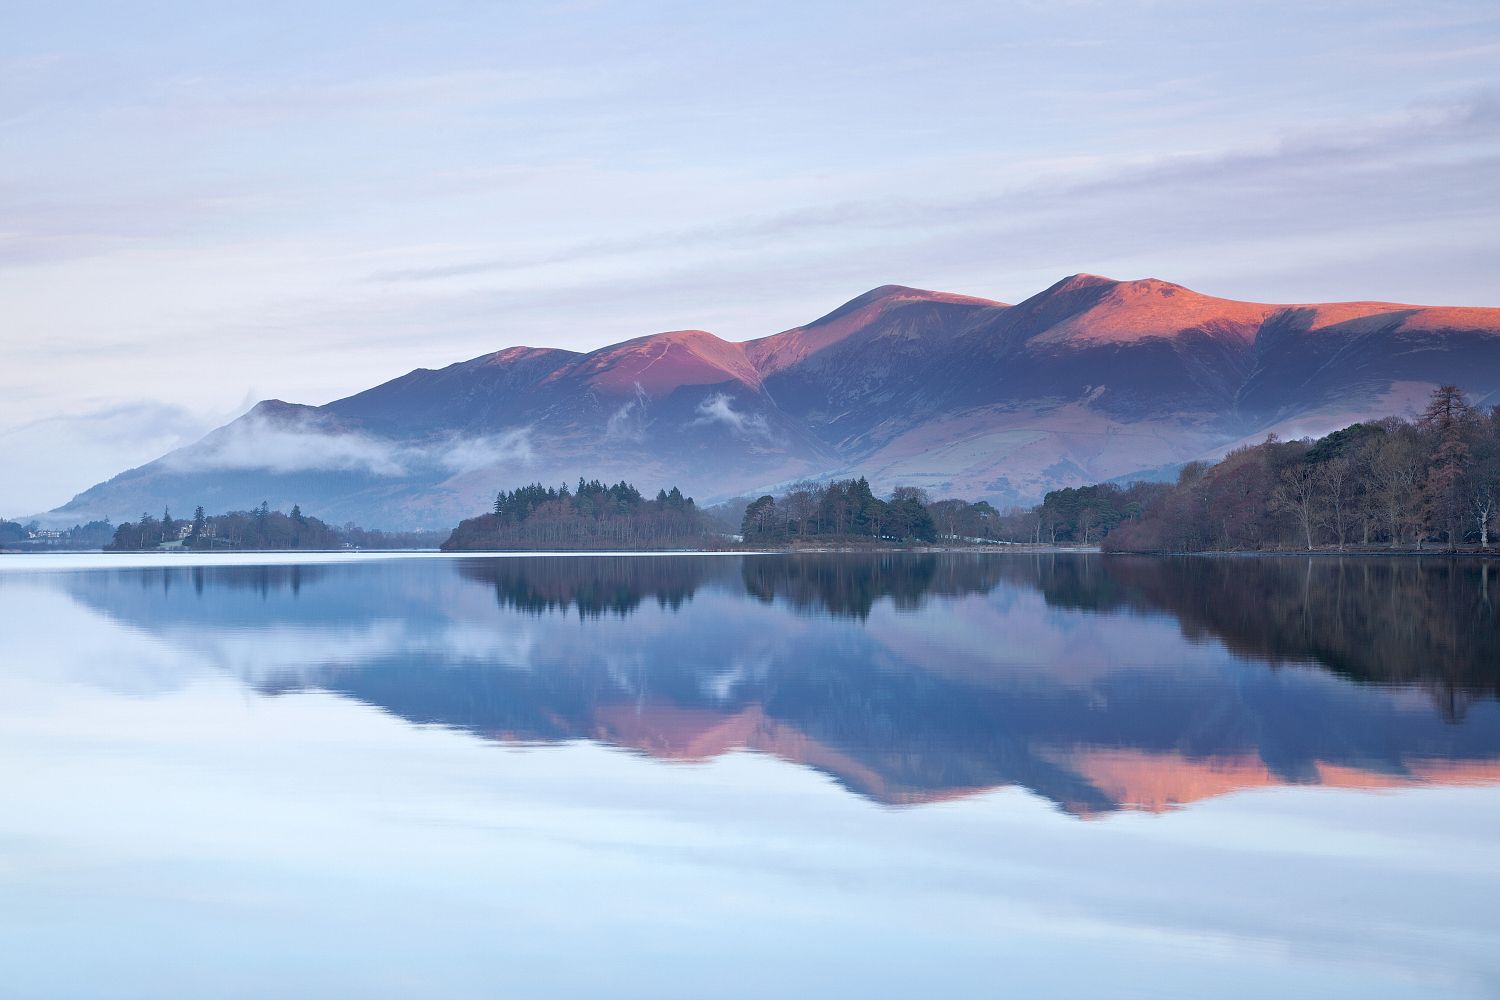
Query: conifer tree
point(1448, 420)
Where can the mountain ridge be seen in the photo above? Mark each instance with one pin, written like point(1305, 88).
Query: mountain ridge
point(1087, 380)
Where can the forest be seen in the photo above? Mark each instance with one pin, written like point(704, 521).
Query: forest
point(847, 510)
point(260, 529)
point(1391, 484)
point(595, 515)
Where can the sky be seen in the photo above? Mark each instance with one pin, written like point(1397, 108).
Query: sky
point(206, 205)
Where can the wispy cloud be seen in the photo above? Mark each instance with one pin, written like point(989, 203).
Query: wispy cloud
point(308, 443)
point(719, 409)
point(288, 445)
point(117, 422)
point(1298, 168)
point(225, 102)
point(466, 454)
point(45, 461)
point(774, 225)
point(628, 423)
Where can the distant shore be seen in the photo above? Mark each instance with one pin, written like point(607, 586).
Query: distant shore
point(998, 547)
point(848, 549)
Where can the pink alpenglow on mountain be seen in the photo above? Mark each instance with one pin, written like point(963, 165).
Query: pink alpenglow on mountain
point(1087, 381)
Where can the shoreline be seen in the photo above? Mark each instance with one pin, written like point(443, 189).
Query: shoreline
point(173, 556)
point(169, 557)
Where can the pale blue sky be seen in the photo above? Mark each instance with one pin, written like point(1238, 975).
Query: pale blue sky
point(201, 205)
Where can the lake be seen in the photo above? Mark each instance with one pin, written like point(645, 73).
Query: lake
point(897, 775)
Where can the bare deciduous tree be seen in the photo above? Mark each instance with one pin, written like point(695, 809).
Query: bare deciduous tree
point(801, 505)
point(1484, 501)
point(1298, 494)
point(1395, 473)
point(1335, 481)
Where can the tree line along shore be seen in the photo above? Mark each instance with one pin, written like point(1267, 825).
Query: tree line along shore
point(260, 529)
point(1420, 485)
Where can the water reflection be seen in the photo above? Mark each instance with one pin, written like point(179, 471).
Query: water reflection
point(1432, 622)
point(851, 584)
point(1099, 683)
point(592, 585)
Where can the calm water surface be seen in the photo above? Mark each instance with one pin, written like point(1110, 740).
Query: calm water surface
point(692, 776)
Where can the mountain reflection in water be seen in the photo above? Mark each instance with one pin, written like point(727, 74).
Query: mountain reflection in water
point(1098, 682)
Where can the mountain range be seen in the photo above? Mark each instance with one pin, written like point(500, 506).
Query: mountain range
point(1089, 380)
